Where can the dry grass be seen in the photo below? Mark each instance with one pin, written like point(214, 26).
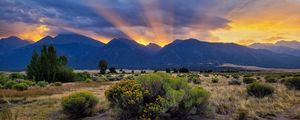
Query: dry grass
point(44, 103)
point(226, 102)
point(232, 101)
point(36, 91)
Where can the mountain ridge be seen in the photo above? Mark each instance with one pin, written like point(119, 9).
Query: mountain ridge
point(286, 47)
point(84, 53)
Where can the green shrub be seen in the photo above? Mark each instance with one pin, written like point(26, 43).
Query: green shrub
point(215, 80)
point(235, 82)
point(88, 80)
point(56, 84)
point(259, 90)
point(248, 80)
point(184, 70)
point(206, 75)
point(42, 83)
point(248, 75)
point(271, 79)
point(293, 83)
point(152, 96)
point(14, 76)
point(80, 104)
point(1, 86)
point(29, 82)
point(194, 78)
point(3, 78)
point(65, 74)
point(9, 84)
point(82, 76)
point(21, 86)
point(235, 76)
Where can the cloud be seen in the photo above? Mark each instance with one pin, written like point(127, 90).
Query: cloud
point(159, 21)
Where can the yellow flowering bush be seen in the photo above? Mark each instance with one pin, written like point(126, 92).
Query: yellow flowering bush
point(155, 96)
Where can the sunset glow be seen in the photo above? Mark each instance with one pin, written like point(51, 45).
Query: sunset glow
point(38, 33)
point(239, 21)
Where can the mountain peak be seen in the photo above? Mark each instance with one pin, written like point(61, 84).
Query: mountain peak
point(153, 45)
point(14, 37)
point(291, 44)
point(70, 39)
point(285, 41)
point(10, 43)
point(122, 41)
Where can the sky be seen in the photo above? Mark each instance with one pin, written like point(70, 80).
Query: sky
point(154, 21)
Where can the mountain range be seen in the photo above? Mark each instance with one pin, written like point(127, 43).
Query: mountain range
point(286, 47)
point(10, 43)
point(84, 53)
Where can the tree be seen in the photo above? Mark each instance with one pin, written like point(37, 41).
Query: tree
point(112, 70)
point(168, 70)
point(103, 64)
point(33, 67)
point(48, 66)
point(184, 70)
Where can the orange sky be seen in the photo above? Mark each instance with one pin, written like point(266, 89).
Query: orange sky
point(265, 21)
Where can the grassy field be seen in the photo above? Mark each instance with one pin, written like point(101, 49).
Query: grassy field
point(226, 101)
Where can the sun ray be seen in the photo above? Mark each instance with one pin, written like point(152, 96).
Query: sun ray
point(154, 18)
point(116, 20)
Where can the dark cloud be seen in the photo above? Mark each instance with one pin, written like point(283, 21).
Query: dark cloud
point(76, 13)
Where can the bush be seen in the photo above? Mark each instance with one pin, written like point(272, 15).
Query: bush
point(168, 70)
point(29, 82)
point(65, 74)
point(9, 84)
point(112, 70)
point(82, 76)
point(79, 104)
point(259, 90)
point(235, 76)
point(248, 80)
point(88, 80)
point(184, 70)
point(215, 80)
point(126, 96)
point(271, 79)
point(1, 86)
point(14, 76)
point(206, 75)
point(194, 78)
point(3, 78)
point(248, 75)
point(21, 86)
point(152, 96)
point(235, 82)
point(42, 83)
point(293, 83)
point(56, 84)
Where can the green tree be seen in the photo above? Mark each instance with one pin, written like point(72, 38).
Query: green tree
point(103, 64)
point(33, 67)
point(48, 66)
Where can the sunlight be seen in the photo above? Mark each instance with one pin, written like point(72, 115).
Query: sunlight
point(116, 20)
point(155, 20)
point(36, 34)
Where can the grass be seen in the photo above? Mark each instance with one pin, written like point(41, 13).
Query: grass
point(226, 101)
point(44, 103)
point(229, 102)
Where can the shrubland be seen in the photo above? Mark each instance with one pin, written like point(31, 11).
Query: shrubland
point(157, 96)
